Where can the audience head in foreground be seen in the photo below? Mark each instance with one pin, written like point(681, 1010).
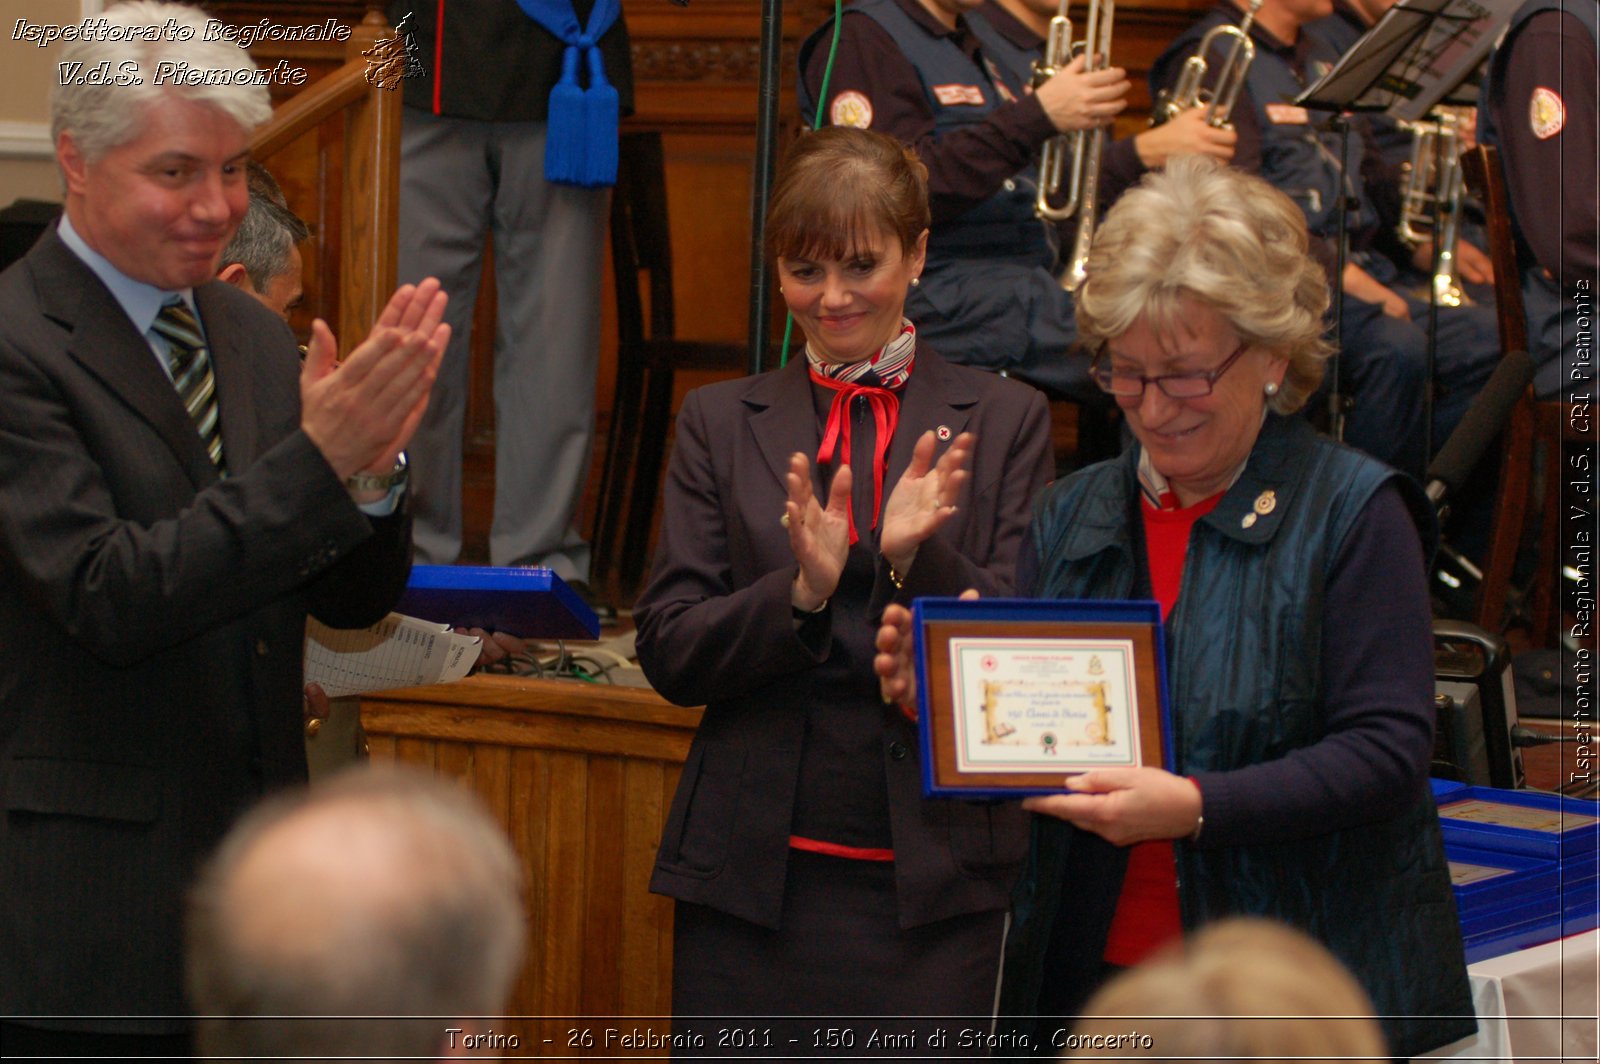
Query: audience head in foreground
point(382, 893)
point(1239, 989)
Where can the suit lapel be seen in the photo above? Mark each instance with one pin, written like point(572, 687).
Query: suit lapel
point(933, 399)
point(230, 365)
point(784, 418)
point(105, 343)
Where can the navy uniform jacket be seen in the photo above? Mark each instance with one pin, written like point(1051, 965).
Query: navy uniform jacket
point(1283, 144)
point(989, 296)
point(1538, 108)
point(152, 622)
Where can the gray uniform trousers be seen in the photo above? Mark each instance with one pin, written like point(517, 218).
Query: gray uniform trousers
point(461, 180)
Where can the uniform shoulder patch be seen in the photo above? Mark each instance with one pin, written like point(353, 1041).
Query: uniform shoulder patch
point(1287, 114)
point(1546, 113)
point(958, 95)
point(851, 108)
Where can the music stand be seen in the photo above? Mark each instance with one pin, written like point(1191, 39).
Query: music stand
point(1415, 56)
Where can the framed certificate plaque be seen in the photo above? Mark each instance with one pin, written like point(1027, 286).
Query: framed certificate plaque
point(1016, 694)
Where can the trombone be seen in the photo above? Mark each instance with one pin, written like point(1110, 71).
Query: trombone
point(1084, 146)
point(1433, 182)
point(1219, 97)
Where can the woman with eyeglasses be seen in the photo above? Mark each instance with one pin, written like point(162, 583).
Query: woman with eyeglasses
point(1291, 575)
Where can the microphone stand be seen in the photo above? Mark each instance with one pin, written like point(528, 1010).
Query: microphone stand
point(1433, 298)
point(765, 163)
point(1336, 399)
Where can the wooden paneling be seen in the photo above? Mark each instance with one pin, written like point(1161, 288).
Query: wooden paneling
point(581, 777)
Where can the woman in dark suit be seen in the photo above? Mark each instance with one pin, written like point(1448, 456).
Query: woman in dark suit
point(812, 878)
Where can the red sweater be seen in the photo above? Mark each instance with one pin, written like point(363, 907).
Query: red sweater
point(1147, 909)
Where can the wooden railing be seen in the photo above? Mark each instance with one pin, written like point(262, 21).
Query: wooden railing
point(368, 181)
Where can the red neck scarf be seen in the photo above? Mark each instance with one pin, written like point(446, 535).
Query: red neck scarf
point(878, 380)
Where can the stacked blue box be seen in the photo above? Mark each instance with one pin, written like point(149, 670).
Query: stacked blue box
point(1526, 866)
point(531, 602)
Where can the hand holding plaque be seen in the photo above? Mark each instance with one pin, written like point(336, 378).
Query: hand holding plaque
point(1126, 805)
point(896, 662)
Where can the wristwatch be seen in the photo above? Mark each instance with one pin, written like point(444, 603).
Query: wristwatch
point(379, 481)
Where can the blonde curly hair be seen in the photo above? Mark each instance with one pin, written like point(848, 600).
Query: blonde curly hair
point(1221, 236)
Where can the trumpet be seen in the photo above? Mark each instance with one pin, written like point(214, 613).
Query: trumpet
point(1219, 97)
point(1085, 146)
point(1433, 182)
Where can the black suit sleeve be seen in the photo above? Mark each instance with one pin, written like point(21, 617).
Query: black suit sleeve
point(109, 540)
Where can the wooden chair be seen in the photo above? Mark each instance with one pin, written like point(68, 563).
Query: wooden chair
point(1548, 423)
point(1481, 168)
point(648, 355)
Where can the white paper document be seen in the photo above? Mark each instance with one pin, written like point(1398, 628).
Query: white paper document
point(398, 651)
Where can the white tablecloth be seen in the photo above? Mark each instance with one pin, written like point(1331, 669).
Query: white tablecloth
point(1536, 1004)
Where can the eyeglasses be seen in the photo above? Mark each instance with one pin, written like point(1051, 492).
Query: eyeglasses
point(1173, 385)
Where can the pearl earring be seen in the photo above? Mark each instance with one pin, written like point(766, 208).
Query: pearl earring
point(1271, 388)
point(915, 281)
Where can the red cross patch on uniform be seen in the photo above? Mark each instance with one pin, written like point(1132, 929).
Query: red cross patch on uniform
point(851, 109)
point(1546, 113)
point(950, 95)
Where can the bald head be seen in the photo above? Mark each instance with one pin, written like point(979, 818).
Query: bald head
point(380, 893)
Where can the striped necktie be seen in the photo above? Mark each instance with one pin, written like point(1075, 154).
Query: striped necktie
point(191, 373)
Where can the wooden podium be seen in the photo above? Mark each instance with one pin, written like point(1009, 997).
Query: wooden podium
point(581, 776)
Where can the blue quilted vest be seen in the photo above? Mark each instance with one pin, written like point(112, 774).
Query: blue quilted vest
point(1013, 64)
point(1244, 689)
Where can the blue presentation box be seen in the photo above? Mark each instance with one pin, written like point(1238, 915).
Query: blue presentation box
point(1530, 823)
point(1546, 925)
point(530, 602)
point(1500, 878)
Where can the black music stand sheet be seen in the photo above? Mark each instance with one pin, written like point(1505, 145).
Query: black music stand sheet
point(1417, 55)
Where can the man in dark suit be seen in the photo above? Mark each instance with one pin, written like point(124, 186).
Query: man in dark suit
point(176, 495)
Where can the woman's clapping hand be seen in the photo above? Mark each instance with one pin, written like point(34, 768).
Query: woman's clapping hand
point(923, 499)
point(819, 535)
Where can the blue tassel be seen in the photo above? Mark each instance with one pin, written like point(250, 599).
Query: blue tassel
point(564, 136)
point(600, 110)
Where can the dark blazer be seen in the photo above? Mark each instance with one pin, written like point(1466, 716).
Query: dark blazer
point(152, 621)
point(715, 627)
